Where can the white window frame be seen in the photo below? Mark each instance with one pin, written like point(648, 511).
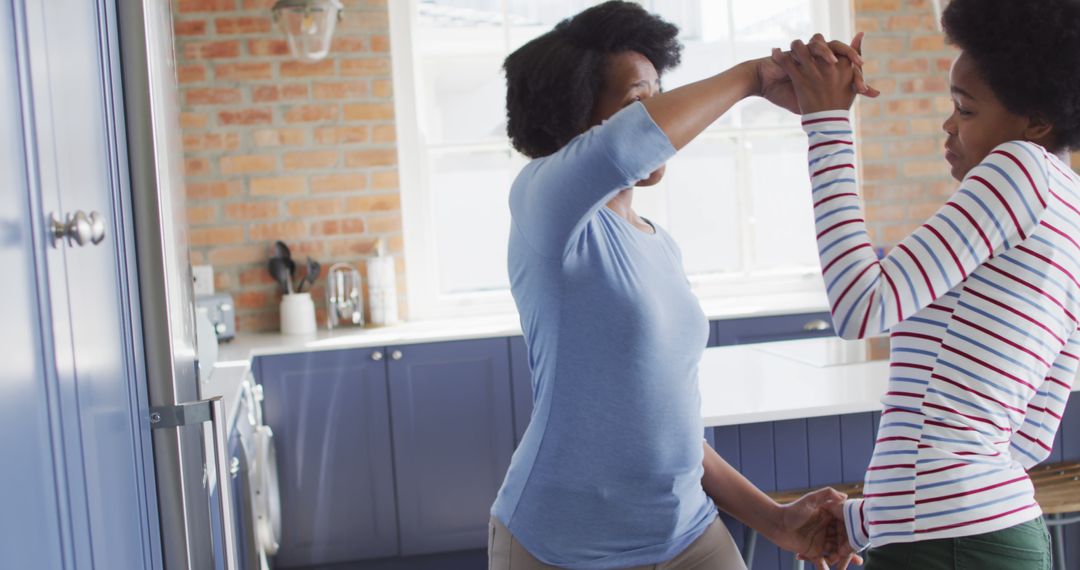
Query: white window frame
point(425, 300)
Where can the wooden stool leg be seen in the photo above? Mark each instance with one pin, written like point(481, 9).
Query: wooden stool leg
point(749, 544)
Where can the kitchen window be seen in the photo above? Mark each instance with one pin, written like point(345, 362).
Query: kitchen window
point(736, 200)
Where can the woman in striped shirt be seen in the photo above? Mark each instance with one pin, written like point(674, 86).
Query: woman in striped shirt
point(982, 301)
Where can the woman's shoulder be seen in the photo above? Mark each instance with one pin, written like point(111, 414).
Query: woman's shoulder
point(1023, 164)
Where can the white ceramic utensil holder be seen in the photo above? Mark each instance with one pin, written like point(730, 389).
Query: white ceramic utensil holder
point(297, 314)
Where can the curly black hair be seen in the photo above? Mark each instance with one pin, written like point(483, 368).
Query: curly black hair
point(1028, 51)
point(554, 80)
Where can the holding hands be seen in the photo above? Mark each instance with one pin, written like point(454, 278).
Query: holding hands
point(818, 76)
point(813, 527)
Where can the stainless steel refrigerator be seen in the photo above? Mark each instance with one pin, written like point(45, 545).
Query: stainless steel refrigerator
point(188, 434)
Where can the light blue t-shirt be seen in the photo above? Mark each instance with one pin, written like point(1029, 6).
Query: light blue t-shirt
point(608, 474)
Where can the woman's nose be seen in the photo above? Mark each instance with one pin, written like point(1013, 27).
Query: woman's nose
point(949, 126)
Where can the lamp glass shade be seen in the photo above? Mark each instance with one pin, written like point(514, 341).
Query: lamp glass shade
point(308, 25)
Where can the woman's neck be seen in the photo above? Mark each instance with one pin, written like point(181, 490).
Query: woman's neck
point(621, 204)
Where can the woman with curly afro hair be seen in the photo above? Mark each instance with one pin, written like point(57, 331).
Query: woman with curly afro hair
point(982, 302)
point(612, 471)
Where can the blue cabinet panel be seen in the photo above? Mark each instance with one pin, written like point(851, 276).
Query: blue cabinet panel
point(521, 386)
point(725, 440)
point(1070, 451)
point(792, 464)
point(330, 415)
point(1070, 429)
point(823, 448)
point(30, 518)
point(792, 460)
point(767, 329)
point(857, 445)
point(758, 460)
point(453, 437)
point(1057, 451)
point(714, 334)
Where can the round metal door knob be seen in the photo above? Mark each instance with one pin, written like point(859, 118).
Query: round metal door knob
point(97, 228)
point(396, 355)
point(78, 229)
point(377, 356)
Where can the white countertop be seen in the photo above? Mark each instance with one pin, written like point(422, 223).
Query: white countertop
point(234, 358)
point(739, 384)
point(246, 346)
point(793, 379)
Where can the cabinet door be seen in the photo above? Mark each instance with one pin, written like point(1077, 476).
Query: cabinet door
point(331, 423)
point(30, 527)
point(768, 329)
point(453, 437)
point(521, 378)
point(72, 132)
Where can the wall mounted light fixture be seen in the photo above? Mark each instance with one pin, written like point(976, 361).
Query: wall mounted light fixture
point(309, 25)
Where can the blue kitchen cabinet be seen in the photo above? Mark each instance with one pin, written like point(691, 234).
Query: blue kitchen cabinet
point(331, 419)
point(726, 332)
point(77, 480)
point(521, 386)
point(453, 435)
point(356, 484)
point(31, 520)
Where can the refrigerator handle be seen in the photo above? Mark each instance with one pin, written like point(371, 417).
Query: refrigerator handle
point(210, 410)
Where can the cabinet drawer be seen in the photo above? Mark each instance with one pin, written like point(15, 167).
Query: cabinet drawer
point(767, 329)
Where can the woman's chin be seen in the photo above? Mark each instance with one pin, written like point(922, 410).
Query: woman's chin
point(958, 172)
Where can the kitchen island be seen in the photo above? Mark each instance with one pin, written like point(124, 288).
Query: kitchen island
point(430, 415)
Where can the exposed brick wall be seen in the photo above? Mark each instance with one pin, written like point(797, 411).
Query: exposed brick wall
point(901, 140)
point(280, 149)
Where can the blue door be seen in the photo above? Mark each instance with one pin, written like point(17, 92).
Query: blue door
point(453, 437)
point(330, 415)
point(78, 489)
point(30, 520)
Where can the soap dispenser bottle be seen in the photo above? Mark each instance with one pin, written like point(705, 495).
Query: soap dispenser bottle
point(382, 287)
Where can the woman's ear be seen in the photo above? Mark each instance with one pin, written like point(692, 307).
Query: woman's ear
point(1039, 130)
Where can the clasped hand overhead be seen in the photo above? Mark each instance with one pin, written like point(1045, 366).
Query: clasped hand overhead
point(816, 76)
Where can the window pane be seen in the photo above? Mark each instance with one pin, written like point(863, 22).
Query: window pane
point(460, 88)
point(703, 206)
point(783, 221)
point(529, 18)
point(736, 200)
point(700, 60)
point(771, 22)
point(759, 27)
point(469, 192)
point(452, 27)
point(461, 99)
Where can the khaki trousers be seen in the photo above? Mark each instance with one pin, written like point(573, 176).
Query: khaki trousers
point(713, 550)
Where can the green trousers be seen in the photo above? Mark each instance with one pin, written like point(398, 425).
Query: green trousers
point(1022, 547)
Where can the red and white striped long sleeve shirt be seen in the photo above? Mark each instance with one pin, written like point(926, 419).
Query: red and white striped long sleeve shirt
point(981, 303)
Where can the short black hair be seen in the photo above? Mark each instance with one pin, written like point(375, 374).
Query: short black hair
point(1028, 51)
point(553, 81)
